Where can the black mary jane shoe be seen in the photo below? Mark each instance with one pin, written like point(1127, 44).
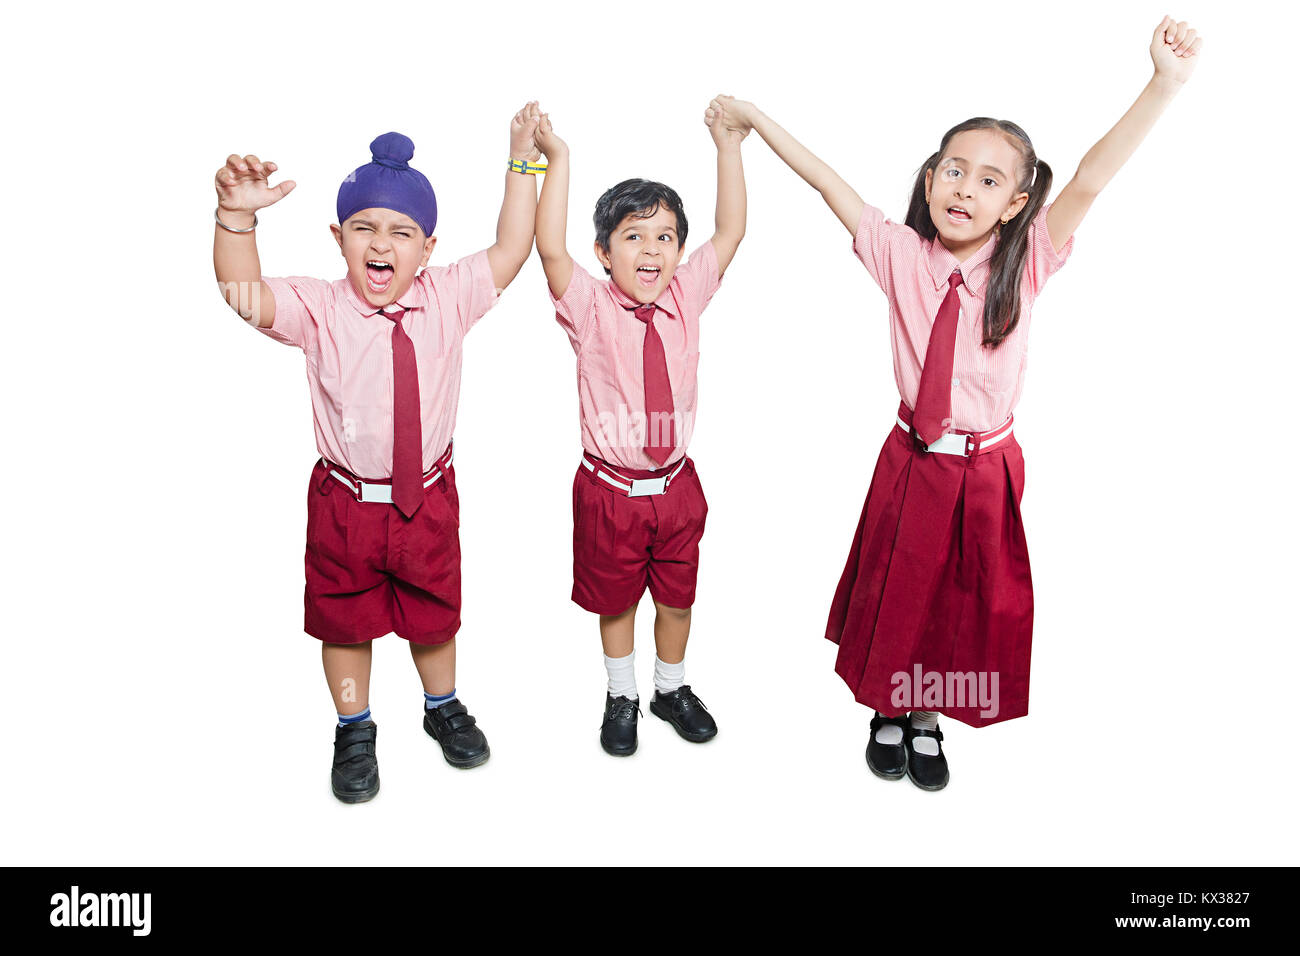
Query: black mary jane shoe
point(888, 761)
point(618, 729)
point(463, 744)
point(686, 712)
point(354, 778)
point(928, 773)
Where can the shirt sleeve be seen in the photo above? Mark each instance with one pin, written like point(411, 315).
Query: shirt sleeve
point(873, 243)
point(465, 289)
point(699, 278)
point(576, 309)
point(1041, 258)
point(300, 302)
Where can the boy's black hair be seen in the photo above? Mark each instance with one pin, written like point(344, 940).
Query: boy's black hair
point(636, 197)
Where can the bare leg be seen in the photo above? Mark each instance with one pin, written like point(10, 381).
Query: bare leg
point(347, 671)
point(463, 744)
point(616, 632)
point(437, 666)
point(672, 628)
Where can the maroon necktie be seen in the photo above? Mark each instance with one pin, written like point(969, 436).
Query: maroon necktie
point(658, 392)
point(408, 465)
point(933, 413)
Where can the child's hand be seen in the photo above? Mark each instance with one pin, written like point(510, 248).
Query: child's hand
point(523, 130)
point(242, 186)
point(727, 124)
point(546, 140)
point(1174, 50)
point(737, 115)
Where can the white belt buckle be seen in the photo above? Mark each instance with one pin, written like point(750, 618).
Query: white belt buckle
point(647, 486)
point(950, 444)
point(376, 494)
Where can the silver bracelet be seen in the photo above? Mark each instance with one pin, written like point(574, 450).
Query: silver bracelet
point(230, 228)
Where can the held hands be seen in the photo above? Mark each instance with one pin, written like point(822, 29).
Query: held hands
point(1174, 50)
point(729, 120)
point(523, 130)
point(546, 140)
point(242, 187)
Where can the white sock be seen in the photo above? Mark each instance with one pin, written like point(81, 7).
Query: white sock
point(622, 675)
point(925, 720)
point(669, 677)
point(889, 734)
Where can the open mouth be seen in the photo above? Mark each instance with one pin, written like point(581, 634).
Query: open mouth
point(378, 274)
point(647, 275)
point(958, 214)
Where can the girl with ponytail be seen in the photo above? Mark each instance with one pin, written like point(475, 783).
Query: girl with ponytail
point(934, 611)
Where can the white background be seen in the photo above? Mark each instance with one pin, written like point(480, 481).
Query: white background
point(163, 704)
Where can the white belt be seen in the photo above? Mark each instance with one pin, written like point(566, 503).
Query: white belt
point(954, 444)
point(634, 487)
point(369, 492)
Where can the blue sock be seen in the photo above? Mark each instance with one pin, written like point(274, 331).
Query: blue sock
point(345, 719)
point(434, 700)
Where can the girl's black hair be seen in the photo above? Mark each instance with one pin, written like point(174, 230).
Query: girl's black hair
point(1002, 292)
point(636, 197)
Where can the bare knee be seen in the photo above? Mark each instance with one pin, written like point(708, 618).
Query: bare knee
point(616, 618)
point(673, 613)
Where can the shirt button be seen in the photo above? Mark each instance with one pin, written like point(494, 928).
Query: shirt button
point(956, 382)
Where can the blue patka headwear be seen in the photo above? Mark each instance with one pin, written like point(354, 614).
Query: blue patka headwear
point(387, 182)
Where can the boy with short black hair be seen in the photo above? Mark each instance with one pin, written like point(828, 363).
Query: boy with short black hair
point(638, 508)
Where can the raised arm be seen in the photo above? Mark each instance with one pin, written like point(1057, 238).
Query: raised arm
point(552, 210)
point(519, 207)
point(839, 195)
point(729, 214)
point(241, 191)
point(1175, 50)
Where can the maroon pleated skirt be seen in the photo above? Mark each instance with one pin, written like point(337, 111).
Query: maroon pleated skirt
point(935, 608)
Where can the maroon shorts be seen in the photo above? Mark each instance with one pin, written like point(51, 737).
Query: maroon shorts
point(621, 544)
point(370, 571)
point(937, 583)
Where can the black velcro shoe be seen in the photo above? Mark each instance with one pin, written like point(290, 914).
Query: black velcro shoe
point(686, 712)
point(888, 761)
point(463, 744)
point(928, 773)
point(618, 730)
point(355, 775)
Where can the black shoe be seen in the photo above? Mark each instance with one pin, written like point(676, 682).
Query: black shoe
point(618, 730)
point(686, 712)
point(355, 775)
point(463, 744)
point(928, 773)
point(888, 761)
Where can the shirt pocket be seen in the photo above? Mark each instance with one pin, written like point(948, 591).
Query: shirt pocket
point(433, 340)
point(1000, 368)
point(690, 386)
point(685, 400)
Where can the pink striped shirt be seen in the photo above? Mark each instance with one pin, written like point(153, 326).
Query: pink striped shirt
point(608, 339)
point(986, 384)
point(349, 353)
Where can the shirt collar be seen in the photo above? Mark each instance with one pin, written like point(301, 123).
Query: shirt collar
point(407, 300)
point(974, 271)
point(664, 302)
